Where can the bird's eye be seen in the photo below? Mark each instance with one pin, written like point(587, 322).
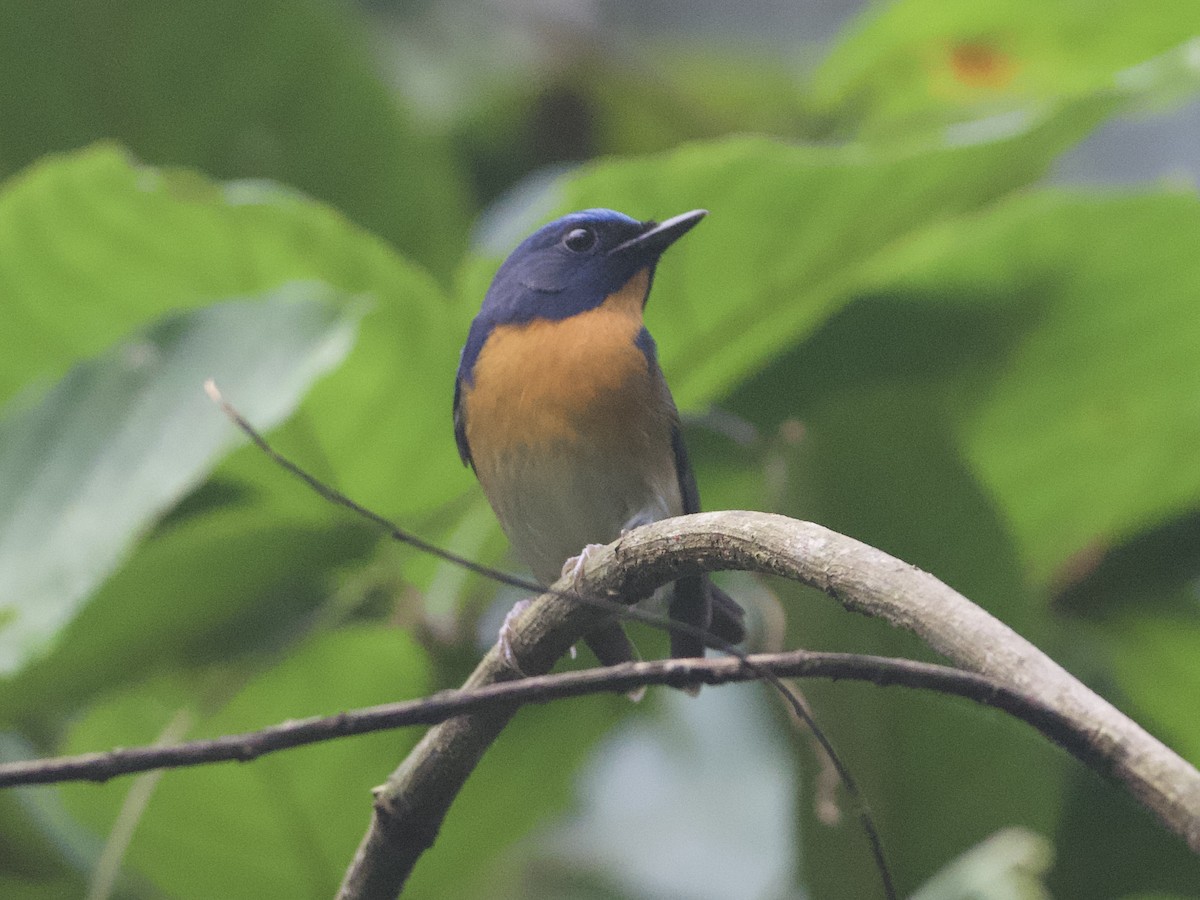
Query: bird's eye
point(580, 240)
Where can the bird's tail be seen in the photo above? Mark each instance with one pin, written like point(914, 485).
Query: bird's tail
point(728, 618)
point(700, 603)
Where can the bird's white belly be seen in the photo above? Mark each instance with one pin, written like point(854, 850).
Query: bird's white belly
point(553, 503)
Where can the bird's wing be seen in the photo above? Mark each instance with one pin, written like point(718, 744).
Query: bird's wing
point(698, 600)
point(688, 492)
point(460, 424)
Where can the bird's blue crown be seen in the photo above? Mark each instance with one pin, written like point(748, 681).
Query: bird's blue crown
point(570, 266)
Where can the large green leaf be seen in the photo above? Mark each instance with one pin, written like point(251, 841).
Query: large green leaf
point(1012, 395)
point(1151, 644)
point(119, 439)
point(1057, 335)
point(285, 825)
point(217, 586)
point(879, 463)
point(1084, 425)
point(917, 65)
point(93, 246)
point(270, 89)
point(1157, 663)
point(792, 233)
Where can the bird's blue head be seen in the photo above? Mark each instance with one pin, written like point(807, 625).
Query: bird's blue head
point(570, 266)
point(574, 263)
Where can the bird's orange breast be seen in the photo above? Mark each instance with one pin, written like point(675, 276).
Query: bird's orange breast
point(548, 383)
point(569, 427)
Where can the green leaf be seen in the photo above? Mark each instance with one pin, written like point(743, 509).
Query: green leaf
point(41, 889)
point(1009, 865)
point(879, 463)
point(1065, 366)
point(915, 66)
point(1109, 845)
point(793, 229)
point(272, 89)
point(1011, 395)
point(118, 440)
point(1082, 424)
point(93, 246)
point(285, 825)
point(213, 587)
point(1157, 664)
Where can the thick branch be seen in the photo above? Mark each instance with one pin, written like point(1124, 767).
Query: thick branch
point(679, 673)
point(410, 807)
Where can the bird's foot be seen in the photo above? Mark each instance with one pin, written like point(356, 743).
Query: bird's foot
point(574, 565)
point(506, 633)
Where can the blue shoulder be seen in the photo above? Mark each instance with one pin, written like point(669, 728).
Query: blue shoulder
point(460, 425)
point(649, 349)
point(689, 493)
point(481, 327)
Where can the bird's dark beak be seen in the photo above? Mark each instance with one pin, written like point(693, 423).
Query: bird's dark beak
point(659, 236)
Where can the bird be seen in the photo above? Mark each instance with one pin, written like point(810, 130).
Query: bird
point(563, 413)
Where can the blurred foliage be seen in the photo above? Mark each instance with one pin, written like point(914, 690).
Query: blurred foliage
point(69, 519)
point(284, 824)
point(271, 89)
point(889, 324)
point(919, 65)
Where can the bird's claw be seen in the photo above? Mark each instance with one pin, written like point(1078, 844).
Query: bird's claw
point(506, 633)
point(574, 565)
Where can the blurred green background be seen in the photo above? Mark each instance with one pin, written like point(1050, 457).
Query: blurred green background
point(946, 302)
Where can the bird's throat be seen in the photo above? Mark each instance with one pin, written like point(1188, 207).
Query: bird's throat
point(550, 382)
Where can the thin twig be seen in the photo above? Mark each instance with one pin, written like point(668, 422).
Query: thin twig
point(883, 671)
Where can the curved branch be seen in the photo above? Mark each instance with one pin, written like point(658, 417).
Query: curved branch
point(409, 808)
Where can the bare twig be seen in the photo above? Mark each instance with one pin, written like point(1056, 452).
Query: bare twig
point(883, 671)
point(410, 807)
